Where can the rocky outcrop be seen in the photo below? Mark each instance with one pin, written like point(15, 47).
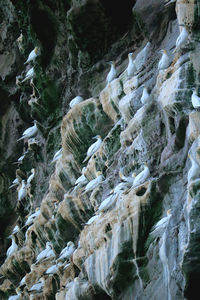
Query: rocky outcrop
point(128, 228)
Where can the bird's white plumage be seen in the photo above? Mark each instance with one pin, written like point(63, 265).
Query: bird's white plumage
point(94, 183)
point(181, 40)
point(75, 101)
point(131, 69)
point(92, 219)
point(82, 180)
point(16, 229)
point(32, 217)
point(67, 252)
point(29, 132)
point(29, 75)
point(145, 96)
point(12, 248)
point(32, 55)
point(14, 183)
point(126, 178)
point(23, 281)
point(14, 297)
point(57, 155)
point(112, 73)
point(142, 176)
point(53, 269)
point(30, 178)
point(162, 223)
point(195, 100)
point(47, 253)
point(22, 191)
point(164, 61)
point(93, 148)
point(38, 286)
point(108, 202)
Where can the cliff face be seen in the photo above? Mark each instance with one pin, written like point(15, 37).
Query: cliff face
point(143, 241)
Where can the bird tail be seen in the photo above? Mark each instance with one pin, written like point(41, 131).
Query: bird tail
point(21, 138)
point(86, 159)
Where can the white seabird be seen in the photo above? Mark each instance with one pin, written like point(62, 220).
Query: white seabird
point(57, 155)
point(29, 132)
point(82, 179)
point(53, 269)
point(32, 55)
point(145, 95)
point(194, 171)
point(67, 252)
point(131, 69)
point(75, 101)
point(38, 287)
point(195, 99)
point(16, 229)
point(14, 183)
point(23, 281)
point(126, 178)
point(164, 61)
point(13, 247)
point(45, 254)
point(92, 219)
point(108, 202)
point(142, 176)
point(22, 191)
point(32, 217)
point(112, 73)
point(29, 75)
point(94, 147)
point(182, 39)
point(14, 297)
point(30, 178)
point(95, 182)
point(162, 222)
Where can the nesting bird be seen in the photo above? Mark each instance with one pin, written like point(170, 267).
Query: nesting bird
point(53, 269)
point(142, 176)
point(45, 254)
point(38, 287)
point(195, 99)
point(94, 147)
point(163, 222)
point(13, 247)
point(126, 178)
point(29, 74)
point(57, 155)
point(95, 182)
point(164, 61)
point(82, 180)
point(145, 95)
point(30, 178)
point(32, 55)
point(22, 191)
point(29, 132)
point(112, 73)
point(32, 217)
point(75, 101)
point(108, 202)
point(182, 39)
point(131, 69)
point(67, 252)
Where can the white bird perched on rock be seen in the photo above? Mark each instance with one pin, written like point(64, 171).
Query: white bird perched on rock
point(29, 132)
point(112, 73)
point(32, 55)
point(182, 39)
point(14, 183)
point(57, 155)
point(94, 147)
point(67, 252)
point(30, 178)
point(75, 101)
point(145, 95)
point(164, 61)
point(142, 176)
point(82, 180)
point(95, 182)
point(22, 191)
point(194, 171)
point(108, 202)
point(163, 222)
point(29, 75)
point(127, 178)
point(38, 287)
point(45, 254)
point(92, 219)
point(13, 247)
point(32, 217)
point(53, 269)
point(131, 69)
point(195, 99)
point(16, 229)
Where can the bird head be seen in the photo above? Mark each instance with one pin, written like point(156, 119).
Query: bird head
point(145, 164)
point(111, 63)
point(130, 54)
point(133, 175)
point(69, 244)
point(32, 170)
point(169, 212)
point(35, 122)
point(120, 174)
point(96, 137)
point(163, 51)
point(36, 50)
point(98, 173)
